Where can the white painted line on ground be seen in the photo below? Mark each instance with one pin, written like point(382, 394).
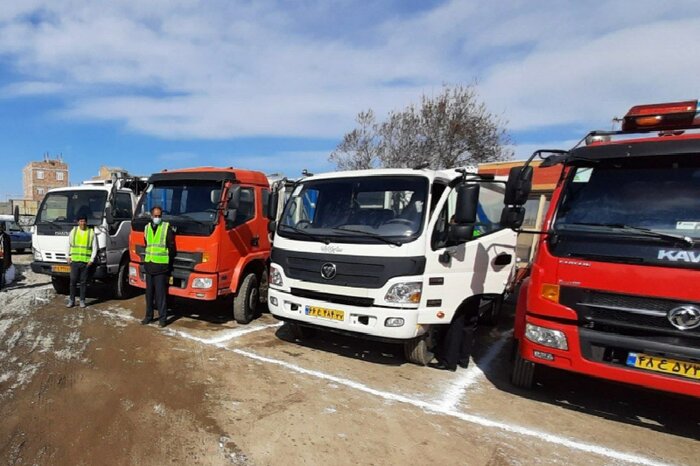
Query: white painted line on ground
point(226, 336)
point(439, 409)
point(455, 392)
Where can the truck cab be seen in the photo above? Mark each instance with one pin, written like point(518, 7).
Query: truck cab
point(108, 205)
point(613, 289)
point(389, 254)
point(221, 238)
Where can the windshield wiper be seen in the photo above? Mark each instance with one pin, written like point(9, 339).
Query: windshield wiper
point(369, 234)
point(645, 231)
point(306, 233)
point(189, 219)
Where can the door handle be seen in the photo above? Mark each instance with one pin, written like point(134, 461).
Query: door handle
point(255, 241)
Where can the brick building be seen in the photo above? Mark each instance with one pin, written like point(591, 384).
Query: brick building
point(105, 173)
point(39, 177)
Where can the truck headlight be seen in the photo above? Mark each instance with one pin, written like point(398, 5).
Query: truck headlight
point(546, 336)
point(276, 277)
point(202, 283)
point(37, 254)
point(404, 293)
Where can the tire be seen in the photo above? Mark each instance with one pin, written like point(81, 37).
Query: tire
point(523, 374)
point(492, 316)
point(420, 350)
point(120, 284)
point(61, 285)
point(245, 304)
point(301, 332)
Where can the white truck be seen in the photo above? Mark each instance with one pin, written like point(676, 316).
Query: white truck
point(389, 254)
point(109, 207)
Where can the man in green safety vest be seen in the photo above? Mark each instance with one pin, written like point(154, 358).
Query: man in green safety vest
point(83, 249)
point(160, 249)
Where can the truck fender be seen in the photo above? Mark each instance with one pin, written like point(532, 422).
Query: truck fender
point(255, 261)
point(521, 309)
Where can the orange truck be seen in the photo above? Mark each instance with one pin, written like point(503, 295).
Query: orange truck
point(221, 239)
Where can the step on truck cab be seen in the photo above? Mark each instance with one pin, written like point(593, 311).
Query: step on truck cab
point(388, 253)
point(109, 206)
point(613, 291)
point(221, 239)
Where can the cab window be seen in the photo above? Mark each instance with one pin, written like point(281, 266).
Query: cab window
point(246, 208)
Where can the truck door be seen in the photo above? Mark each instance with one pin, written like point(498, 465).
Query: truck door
point(119, 230)
point(243, 236)
point(481, 265)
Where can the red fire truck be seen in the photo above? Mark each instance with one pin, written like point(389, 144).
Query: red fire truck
point(614, 290)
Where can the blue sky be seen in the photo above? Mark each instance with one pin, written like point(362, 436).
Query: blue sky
point(273, 85)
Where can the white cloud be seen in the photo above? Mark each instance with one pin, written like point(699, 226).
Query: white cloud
point(221, 69)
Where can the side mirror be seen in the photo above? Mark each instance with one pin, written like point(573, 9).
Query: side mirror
point(16, 214)
point(460, 233)
point(234, 197)
point(467, 204)
point(109, 215)
point(518, 186)
point(272, 206)
point(512, 216)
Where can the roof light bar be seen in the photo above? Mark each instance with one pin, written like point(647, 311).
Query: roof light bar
point(665, 116)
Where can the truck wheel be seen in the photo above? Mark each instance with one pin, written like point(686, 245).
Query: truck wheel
point(120, 284)
point(523, 375)
point(245, 304)
point(61, 285)
point(420, 350)
point(493, 314)
point(301, 332)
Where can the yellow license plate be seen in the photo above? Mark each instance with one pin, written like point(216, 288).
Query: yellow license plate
point(60, 268)
point(324, 313)
point(687, 369)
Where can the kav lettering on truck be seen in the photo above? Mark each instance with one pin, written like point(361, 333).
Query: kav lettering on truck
point(614, 290)
point(389, 254)
point(221, 238)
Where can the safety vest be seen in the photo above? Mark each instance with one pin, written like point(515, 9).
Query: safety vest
point(81, 244)
point(156, 247)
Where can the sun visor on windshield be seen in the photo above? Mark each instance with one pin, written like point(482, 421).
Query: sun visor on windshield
point(192, 176)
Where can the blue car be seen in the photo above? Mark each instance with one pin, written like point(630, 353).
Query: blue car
point(20, 239)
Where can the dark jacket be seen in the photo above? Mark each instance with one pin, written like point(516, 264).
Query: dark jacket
point(7, 248)
point(157, 269)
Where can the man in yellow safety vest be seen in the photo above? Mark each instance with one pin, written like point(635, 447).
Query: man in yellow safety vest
point(160, 248)
point(83, 249)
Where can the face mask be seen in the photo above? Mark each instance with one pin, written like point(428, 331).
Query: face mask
point(157, 220)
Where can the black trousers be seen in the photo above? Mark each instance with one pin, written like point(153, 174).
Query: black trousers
point(156, 295)
point(78, 276)
point(458, 340)
point(2, 275)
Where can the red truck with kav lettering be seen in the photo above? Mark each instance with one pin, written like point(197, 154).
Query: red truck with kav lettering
point(221, 239)
point(614, 290)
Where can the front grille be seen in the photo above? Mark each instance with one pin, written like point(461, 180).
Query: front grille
point(333, 298)
point(611, 312)
point(353, 271)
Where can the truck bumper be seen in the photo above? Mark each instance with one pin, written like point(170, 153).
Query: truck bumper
point(180, 283)
point(47, 268)
point(604, 355)
point(352, 320)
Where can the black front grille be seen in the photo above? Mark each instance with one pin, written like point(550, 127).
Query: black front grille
point(353, 271)
point(333, 298)
point(611, 312)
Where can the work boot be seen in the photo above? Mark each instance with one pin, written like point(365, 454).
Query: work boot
point(82, 304)
point(70, 303)
point(146, 321)
point(162, 323)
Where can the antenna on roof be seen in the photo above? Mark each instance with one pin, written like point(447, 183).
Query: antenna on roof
point(423, 165)
point(306, 172)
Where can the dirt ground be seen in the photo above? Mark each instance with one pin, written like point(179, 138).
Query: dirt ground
point(93, 386)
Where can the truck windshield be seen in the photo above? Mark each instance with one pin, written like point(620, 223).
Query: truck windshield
point(371, 209)
point(62, 208)
point(626, 197)
point(189, 205)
